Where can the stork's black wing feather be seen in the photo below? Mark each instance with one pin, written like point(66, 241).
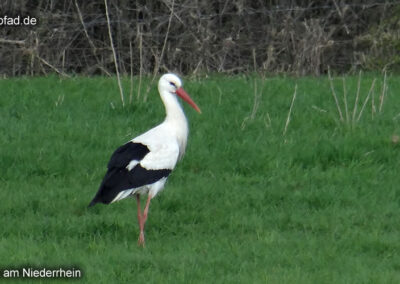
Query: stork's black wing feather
point(118, 178)
point(126, 153)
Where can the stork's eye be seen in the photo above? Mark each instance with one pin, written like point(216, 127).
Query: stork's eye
point(172, 84)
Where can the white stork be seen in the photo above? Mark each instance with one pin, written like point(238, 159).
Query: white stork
point(143, 165)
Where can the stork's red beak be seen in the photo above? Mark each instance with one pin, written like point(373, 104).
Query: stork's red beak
point(182, 93)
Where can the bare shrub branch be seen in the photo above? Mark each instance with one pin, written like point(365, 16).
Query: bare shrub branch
point(197, 37)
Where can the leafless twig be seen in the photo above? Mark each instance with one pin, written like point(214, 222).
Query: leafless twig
point(159, 59)
point(52, 67)
point(131, 73)
point(84, 27)
point(140, 60)
point(18, 42)
point(121, 91)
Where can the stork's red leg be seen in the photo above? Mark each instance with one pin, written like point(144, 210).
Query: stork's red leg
point(140, 221)
point(143, 219)
point(146, 208)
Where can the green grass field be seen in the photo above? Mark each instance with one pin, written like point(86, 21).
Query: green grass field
point(247, 204)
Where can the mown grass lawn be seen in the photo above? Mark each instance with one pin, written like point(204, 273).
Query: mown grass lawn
point(247, 204)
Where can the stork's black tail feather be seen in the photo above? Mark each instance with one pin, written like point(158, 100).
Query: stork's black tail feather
point(92, 203)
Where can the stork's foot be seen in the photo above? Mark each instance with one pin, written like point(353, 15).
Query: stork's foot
point(141, 240)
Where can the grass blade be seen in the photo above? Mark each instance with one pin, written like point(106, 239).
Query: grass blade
point(346, 109)
point(357, 98)
point(382, 96)
point(290, 111)
point(366, 99)
point(334, 96)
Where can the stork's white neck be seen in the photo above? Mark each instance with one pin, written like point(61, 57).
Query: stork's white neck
point(175, 119)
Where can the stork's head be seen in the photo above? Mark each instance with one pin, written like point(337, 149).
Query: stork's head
point(172, 84)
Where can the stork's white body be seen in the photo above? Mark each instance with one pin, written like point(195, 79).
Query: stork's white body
point(167, 144)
